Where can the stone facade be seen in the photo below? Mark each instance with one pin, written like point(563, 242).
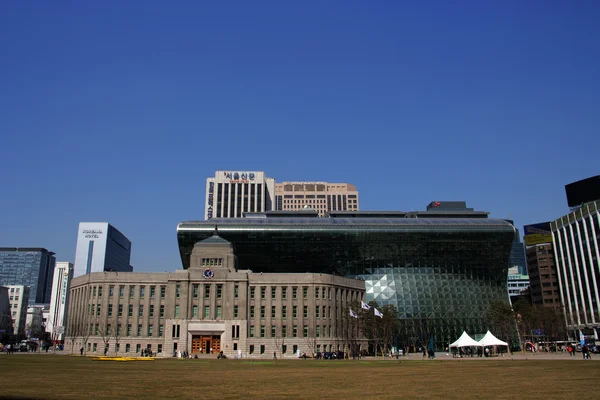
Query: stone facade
point(211, 305)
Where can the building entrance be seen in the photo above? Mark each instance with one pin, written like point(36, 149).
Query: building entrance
point(203, 344)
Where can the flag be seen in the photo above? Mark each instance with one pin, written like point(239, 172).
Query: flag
point(378, 313)
point(364, 306)
point(353, 314)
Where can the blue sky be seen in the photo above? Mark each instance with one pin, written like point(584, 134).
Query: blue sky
point(119, 112)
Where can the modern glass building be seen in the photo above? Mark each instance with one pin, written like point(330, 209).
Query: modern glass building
point(444, 267)
point(28, 266)
point(517, 254)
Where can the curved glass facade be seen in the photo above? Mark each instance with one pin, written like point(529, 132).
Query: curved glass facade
point(445, 271)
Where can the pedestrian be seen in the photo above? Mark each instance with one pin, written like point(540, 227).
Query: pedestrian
point(274, 355)
point(81, 351)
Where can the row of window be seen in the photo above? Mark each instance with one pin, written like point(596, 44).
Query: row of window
point(320, 331)
point(319, 311)
point(142, 291)
point(109, 330)
point(263, 292)
point(97, 309)
point(324, 293)
point(212, 262)
point(138, 347)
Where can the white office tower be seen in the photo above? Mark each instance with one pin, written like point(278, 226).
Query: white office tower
point(101, 247)
point(229, 194)
point(55, 324)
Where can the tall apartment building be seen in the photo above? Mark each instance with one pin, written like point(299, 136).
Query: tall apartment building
point(55, 324)
point(576, 238)
point(321, 196)
point(18, 295)
point(28, 266)
point(229, 194)
point(101, 247)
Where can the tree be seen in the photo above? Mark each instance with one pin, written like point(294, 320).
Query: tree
point(311, 343)
point(105, 333)
point(379, 330)
point(279, 344)
point(116, 333)
point(351, 329)
point(501, 318)
point(86, 333)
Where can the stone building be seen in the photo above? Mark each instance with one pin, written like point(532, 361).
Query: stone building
point(211, 305)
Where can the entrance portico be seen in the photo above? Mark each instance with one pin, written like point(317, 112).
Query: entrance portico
point(204, 336)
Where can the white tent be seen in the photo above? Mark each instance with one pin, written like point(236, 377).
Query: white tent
point(465, 341)
point(491, 340)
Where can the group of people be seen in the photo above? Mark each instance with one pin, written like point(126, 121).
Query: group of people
point(9, 348)
point(429, 353)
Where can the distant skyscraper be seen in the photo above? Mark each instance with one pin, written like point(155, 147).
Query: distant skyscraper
point(321, 196)
point(63, 273)
point(101, 247)
point(28, 266)
point(517, 254)
point(229, 194)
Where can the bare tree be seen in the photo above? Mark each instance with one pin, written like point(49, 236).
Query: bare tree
point(105, 333)
point(279, 344)
point(116, 333)
point(86, 333)
point(351, 328)
point(73, 331)
point(311, 343)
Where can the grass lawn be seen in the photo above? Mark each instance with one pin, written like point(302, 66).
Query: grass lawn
point(65, 377)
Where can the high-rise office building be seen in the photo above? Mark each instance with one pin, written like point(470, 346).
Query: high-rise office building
point(541, 265)
point(63, 273)
point(28, 266)
point(101, 247)
point(576, 238)
point(517, 254)
point(321, 196)
point(229, 194)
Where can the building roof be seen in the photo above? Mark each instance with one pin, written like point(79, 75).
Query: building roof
point(43, 250)
point(332, 223)
point(214, 239)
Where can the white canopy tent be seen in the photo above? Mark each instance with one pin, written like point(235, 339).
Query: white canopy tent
point(491, 340)
point(466, 341)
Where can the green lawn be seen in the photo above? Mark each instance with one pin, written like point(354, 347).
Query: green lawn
point(65, 377)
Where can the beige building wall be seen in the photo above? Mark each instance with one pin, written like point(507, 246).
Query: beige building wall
point(18, 300)
point(320, 196)
point(241, 312)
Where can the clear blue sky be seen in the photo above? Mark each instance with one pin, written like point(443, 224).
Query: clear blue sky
point(119, 112)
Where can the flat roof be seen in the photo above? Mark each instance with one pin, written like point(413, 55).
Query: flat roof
point(291, 222)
